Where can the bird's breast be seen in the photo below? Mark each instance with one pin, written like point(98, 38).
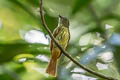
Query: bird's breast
point(63, 37)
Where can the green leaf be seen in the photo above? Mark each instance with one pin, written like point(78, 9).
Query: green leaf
point(20, 15)
point(34, 3)
point(51, 22)
point(8, 51)
point(56, 7)
point(117, 57)
point(79, 4)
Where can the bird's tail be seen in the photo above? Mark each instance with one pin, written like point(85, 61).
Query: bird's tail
point(52, 67)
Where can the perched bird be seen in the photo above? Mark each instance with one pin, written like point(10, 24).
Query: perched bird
point(62, 35)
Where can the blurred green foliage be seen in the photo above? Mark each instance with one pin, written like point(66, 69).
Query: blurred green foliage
point(92, 25)
point(79, 4)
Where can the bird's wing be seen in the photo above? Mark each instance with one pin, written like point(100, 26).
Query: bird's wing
point(55, 32)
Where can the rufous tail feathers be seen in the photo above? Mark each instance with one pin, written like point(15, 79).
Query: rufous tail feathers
point(52, 66)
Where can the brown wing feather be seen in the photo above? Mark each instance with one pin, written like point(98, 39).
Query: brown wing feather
point(55, 32)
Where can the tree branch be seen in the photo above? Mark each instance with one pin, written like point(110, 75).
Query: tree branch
point(64, 52)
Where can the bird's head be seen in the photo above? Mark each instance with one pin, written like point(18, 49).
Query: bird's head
point(63, 21)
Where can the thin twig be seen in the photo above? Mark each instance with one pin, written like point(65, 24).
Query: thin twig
point(64, 52)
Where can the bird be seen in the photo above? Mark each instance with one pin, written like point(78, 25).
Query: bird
point(62, 35)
